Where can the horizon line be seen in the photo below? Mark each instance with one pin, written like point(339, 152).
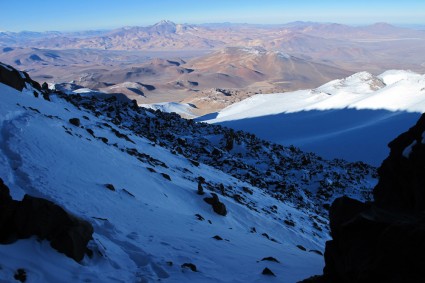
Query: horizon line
point(405, 25)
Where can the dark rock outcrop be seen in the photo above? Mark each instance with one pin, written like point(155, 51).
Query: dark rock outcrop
point(384, 240)
point(216, 204)
point(16, 79)
point(42, 218)
point(402, 178)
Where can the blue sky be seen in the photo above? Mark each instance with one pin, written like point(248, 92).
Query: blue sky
point(42, 15)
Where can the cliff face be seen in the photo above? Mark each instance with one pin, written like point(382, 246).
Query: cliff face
point(383, 241)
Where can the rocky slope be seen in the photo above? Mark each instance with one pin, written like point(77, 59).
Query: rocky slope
point(167, 198)
point(382, 241)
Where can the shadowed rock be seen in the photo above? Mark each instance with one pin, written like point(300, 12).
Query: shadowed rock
point(42, 218)
point(191, 266)
point(383, 241)
point(75, 122)
point(217, 206)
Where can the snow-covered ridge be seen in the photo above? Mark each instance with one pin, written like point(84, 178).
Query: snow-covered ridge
point(352, 118)
point(394, 90)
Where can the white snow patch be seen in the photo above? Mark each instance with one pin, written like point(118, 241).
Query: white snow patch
point(83, 90)
point(183, 109)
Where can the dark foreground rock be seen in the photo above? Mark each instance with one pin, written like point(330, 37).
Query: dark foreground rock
point(383, 241)
point(42, 218)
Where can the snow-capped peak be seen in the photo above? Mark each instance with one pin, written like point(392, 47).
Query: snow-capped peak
point(393, 76)
point(164, 26)
point(361, 83)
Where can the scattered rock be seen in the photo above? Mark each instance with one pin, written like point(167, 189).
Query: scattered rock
point(45, 86)
point(269, 258)
point(301, 248)
point(267, 271)
point(75, 122)
point(191, 266)
point(110, 187)
point(238, 198)
point(166, 176)
point(199, 217)
point(200, 191)
point(128, 193)
point(217, 206)
point(20, 275)
point(91, 132)
point(46, 96)
point(247, 190)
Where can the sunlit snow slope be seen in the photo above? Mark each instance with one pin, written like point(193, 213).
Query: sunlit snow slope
point(145, 229)
point(183, 109)
point(352, 118)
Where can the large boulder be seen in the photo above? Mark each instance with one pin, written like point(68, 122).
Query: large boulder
point(383, 241)
point(42, 218)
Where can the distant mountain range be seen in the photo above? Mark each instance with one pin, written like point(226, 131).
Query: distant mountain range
point(243, 70)
point(169, 35)
point(211, 65)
